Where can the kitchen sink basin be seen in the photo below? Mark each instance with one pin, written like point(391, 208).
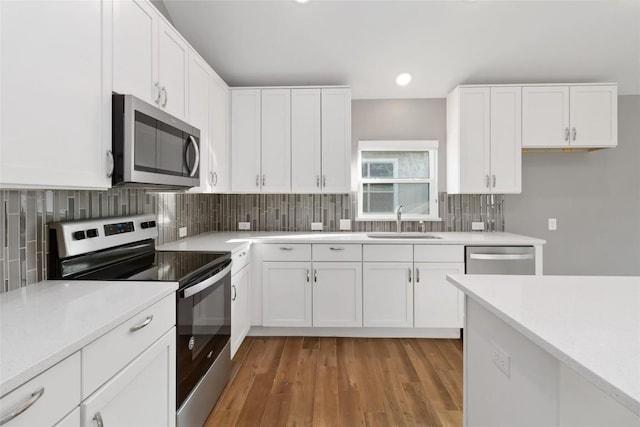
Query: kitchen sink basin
point(402, 236)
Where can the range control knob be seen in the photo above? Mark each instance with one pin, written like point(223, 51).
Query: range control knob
point(144, 225)
point(92, 232)
point(79, 235)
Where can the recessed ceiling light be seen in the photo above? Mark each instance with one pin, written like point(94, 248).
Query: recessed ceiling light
point(403, 79)
point(302, 1)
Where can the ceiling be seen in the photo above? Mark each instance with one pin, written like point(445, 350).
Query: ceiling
point(366, 43)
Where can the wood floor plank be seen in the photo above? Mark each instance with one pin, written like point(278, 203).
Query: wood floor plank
point(346, 382)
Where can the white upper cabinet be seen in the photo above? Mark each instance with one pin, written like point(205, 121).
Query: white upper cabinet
point(570, 116)
point(306, 143)
point(150, 57)
point(506, 140)
point(484, 142)
point(276, 141)
point(336, 140)
point(56, 94)
point(245, 140)
point(173, 52)
point(135, 49)
point(545, 116)
point(199, 113)
point(593, 115)
point(219, 148)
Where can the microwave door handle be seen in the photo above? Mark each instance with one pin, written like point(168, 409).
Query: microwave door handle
point(196, 164)
point(192, 290)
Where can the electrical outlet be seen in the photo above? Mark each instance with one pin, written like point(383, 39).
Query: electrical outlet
point(501, 359)
point(244, 226)
point(553, 224)
point(477, 226)
point(316, 226)
point(182, 232)
point(345, 225)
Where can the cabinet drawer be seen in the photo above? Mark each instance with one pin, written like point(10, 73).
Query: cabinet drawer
point(286, 252)
point(240, 259)
point(60, 388)
point(438, 253)
point(337, 252)
point(388, 253)
point(104, 357)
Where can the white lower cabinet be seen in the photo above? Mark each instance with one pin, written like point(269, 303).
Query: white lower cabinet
point(337, 294)
point(142, 394)
point(286, 294)
point(438, 304)
point(240, 309)
point(388, 294)
point(71, 420)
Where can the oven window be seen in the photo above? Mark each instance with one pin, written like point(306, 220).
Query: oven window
point(204, 328)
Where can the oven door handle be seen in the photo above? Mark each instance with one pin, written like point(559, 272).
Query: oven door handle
point(192, 290)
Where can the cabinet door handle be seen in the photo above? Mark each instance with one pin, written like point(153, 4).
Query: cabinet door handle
point(315, 275)
point(158, 93)
point(417, 275)
point(409, 274)
point(166, 97)
point(258, 180)
point(308, 275)
point(211, 178)
point(487, 180)
point(336, 248)
point(324, 180)
point(318, 181)
point(235, 292)
point(111, 162)
point(286, 248)
point(494, 181)
point(215, 178)
point(264, 179)
point(566, 134)
point(142, 325)
point(98, 419)
point(574, 133)
point(22, 407)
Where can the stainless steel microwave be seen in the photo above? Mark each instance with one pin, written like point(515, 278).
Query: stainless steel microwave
point(151, 148)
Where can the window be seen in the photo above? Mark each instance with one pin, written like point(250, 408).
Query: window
point(393, 173)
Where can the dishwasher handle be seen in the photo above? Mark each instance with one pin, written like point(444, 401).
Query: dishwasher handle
point(501, 257)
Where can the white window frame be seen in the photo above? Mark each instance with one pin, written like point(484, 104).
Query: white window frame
point(422, 145)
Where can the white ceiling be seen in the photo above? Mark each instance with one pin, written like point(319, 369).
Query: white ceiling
point(366, 43)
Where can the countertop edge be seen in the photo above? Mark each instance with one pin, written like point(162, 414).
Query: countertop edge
point(7, 385)
point(618, 395)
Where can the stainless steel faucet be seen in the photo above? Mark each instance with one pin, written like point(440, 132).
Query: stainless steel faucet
point(399, 219)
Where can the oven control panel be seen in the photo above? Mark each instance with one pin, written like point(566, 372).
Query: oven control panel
point(118, 228)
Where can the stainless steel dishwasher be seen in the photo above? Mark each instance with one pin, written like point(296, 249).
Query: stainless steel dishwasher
point(500, 260)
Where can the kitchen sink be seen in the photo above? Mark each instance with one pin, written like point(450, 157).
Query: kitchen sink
point(402, 236)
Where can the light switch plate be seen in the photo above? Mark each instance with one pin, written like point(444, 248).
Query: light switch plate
point(553, 224)
point(182, 232)
point(316, 226)
point(345, 224)
point(244, 226)
point(477, 226)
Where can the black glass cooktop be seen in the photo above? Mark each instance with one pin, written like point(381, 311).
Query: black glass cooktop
point(179, 266)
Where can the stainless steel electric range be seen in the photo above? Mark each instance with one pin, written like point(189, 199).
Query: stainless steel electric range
point(124, 249)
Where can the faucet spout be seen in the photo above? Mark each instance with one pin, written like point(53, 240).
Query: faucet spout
point(399, 219)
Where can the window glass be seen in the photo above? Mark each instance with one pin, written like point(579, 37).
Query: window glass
point(395, 164)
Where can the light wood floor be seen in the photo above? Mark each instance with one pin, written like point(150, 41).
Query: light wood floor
point(346, 382)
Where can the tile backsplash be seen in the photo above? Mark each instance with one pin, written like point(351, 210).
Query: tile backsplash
point(24, 216)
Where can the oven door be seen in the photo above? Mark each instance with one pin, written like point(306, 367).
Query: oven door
point(204, 327)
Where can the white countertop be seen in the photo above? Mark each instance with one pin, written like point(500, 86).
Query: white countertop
point(233, 241)
point(592, 324)
point(43, 323)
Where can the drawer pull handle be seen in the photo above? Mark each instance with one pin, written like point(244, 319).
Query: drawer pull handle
point(336, 248)
point(23, 407)
point(142, 325)
point(98, 419)
point(235, 292)
point(286, 248)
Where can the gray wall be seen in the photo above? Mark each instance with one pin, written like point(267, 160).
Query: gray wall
point(400, 119)
point(595, 197)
